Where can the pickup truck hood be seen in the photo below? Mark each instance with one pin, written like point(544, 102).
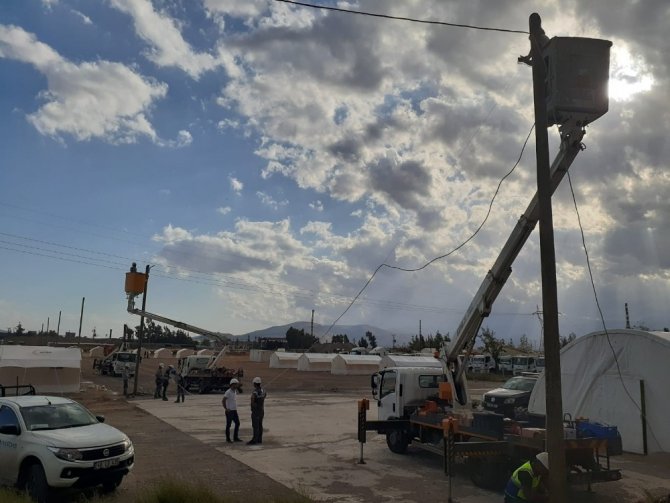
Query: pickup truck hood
point(503, 393)
point(81, 437)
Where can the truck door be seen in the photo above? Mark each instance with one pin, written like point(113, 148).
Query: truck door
point(9, 446)
point(387, 403)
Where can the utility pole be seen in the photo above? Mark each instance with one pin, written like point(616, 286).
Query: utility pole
point(48, 320)
point(110, 333)
point(554, 400)
point(312, 329)
point(141, 330)
point(58, 327)
point(81, 318)
point(627, 317)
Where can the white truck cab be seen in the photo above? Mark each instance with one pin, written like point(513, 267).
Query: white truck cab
point(481, 364)
point(114, 363)
point(523, 364)
point(505, 363)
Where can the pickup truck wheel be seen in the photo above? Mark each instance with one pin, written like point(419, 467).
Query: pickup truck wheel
point(397, 441)
point(36, 484)
point(487, 473)
point(109, 486)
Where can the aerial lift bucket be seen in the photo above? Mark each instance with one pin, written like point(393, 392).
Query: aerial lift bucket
point(135, 282)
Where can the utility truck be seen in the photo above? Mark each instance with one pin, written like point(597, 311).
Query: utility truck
point(114, 363)
point(481, 364)
point(521, 364)
point(431, 408)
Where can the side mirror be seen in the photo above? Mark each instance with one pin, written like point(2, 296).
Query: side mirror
point(100, 419)
point(10, 429)
point(374, 380)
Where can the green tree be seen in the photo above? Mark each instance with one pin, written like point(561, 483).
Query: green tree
point(298, 339)
point(371, 339)
point(340, 338)
point(19, 330)
point(490, 343)
point(564, 341)
point(362, 343)
point(524, 344)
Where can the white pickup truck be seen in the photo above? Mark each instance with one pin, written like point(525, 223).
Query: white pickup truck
point(49, 442)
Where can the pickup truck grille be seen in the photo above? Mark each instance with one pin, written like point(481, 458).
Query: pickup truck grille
point(103, 452)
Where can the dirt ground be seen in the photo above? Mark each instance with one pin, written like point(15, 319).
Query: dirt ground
point(162, 451)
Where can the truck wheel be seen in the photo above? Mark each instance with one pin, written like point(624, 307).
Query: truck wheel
point(397, 441)
point(36, 484)
point(489, 474)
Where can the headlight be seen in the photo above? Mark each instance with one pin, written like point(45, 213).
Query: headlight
point(66, 454)
point(508, 401)
point(128, 446)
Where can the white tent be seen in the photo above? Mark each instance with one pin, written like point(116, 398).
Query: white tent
point(260, 355)
point(48, 369)
point(409, 361)
point(182, 353)
point(96, 352)
point(315, 362)
point(284, 360)
point(355, 364)
point(595, 387)
point(163, 353)
point(205, 352)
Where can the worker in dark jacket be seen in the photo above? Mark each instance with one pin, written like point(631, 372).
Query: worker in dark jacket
point(527, 483)
point(257, 411)
point(159, 380)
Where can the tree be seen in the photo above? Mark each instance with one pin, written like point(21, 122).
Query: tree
point(490, 344)
point(362, 343)
point(371, 339)
point(19, 330)
point(298, 339)
point(340, 338)
point(564, 341)
point(524, 344)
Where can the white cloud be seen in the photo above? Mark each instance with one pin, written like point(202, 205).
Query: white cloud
point(85, 19)
point(235, 185)
point(99, 99)
point(165, 192)
point(267, 200)
point(316, 206)
point(224, 210)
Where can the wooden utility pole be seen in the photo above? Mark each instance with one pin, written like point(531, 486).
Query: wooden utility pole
point(312, 328)
point(58, 327)
point(81, 318)
point(141, 331)
point(554, 401)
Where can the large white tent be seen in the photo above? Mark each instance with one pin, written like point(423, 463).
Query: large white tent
point(163, 353)
point(48, 369)
point(184, 352)
point(355, 364)
point(409, 361)
point(260, 355)
point(284, 360)
point(315, 362)
point(96, 352)
point(613, 391)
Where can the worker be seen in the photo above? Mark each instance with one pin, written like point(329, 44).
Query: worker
point(125, 374)
point(527, 483)
point(229, 403)
point(257, 411)
point(166, 381)
point(133, 268)
point(159, 380)
point(179, 382)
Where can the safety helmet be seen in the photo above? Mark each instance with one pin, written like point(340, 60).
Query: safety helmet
point(256, 380)
point(234, 381)
point(543, 458)
point(161, 365)
point(171, 366)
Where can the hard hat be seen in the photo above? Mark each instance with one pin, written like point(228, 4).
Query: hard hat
point(171, 366)
point(127, 365)
point(161, 365)
point(234, 381)
point(257, 380)
point(543, 458)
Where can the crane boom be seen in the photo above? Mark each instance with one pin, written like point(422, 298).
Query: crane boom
point(177, 324)
point(481, 304)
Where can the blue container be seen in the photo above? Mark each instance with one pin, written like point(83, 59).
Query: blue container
point(596, 430)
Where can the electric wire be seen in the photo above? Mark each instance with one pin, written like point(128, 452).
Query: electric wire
point(400, 18)
point(602, 317)
point(454, 250)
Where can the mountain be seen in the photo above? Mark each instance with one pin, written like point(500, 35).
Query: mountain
point(354, 332)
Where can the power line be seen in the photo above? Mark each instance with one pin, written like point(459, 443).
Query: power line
point(523, 148)
point(602, 317)
point(401, 18)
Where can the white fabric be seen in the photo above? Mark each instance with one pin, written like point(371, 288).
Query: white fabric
point(48, 369)
point(231, 399)
point(409, 361)
point(284, 360)
point(592, 387)
point(355, 364)
point(315, 362)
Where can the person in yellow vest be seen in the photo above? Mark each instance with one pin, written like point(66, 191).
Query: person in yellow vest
point(527, 483)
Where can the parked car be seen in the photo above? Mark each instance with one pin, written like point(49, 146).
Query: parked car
point(49, 443)
point(512, 398)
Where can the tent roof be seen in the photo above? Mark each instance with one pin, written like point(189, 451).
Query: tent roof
point(283, 355)
point(318, 357)
point(39, 356)
point(360, 359)
point(410, 361)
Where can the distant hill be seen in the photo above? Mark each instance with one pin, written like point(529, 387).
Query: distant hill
point(354, 332)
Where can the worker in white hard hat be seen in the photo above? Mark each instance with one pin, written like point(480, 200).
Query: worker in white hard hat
point(159, 380)
point(527, 483)
point(257, 411)
point(229, 403)
point(125, 375)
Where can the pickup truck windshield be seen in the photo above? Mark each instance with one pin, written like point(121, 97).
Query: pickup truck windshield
point(520, 384)
point(126, 357)
point(55, 417)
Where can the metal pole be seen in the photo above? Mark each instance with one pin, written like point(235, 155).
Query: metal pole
point(141, 331)
point(81, 318)
point(48, 320)
point(552, 371)
point(58, 327)
point(312, 327)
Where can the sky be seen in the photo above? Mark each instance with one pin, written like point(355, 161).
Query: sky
point(266, 158)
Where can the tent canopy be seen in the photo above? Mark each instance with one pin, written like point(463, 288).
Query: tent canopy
point(355, 364)
point(39, 356)
point(48, 369)
point(603, 389)
point(409, 361)
point(315, 361)
point(284, 360)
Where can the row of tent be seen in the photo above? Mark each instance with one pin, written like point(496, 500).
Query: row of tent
point(346, 364)
point(99, 352)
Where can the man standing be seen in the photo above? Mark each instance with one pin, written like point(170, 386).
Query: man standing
point(166, 380)
point(257, 411)
point(527, 482)
point(159, 380)
point(179, 381)
point(125, 374)
point(229, 403)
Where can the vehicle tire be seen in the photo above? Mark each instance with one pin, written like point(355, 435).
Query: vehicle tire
point(488, 473)
point(397, 441)
point(36, 484)
point(109, 486)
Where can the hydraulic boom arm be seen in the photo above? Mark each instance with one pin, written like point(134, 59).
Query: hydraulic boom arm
point(177, 324)
point(481, 304)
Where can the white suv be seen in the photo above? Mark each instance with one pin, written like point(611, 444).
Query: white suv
point(53, 442)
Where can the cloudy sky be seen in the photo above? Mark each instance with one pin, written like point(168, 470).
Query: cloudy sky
point(265, 158)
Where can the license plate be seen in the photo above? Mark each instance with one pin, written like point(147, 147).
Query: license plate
point(105, 463)
point(492, 405)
